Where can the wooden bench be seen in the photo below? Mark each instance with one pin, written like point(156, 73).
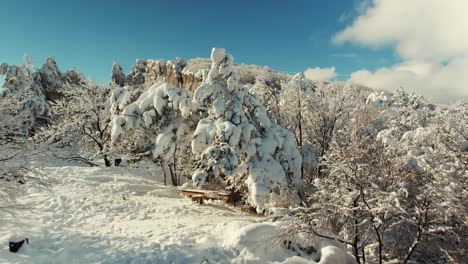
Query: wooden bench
point(199, 195)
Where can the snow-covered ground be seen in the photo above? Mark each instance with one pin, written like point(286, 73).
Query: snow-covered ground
point(122, 215)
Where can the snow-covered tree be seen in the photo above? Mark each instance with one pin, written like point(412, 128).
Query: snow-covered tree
point(162, 111)
point(397, 194)
point(22, 109)
point(231, 135)
point(80, 120)
point(237, 141)
point(383, 208)
point(318, 113)
point(22, 101)
point(268, 87)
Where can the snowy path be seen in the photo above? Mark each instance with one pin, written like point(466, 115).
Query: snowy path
point(121, 215)
point(114, 215)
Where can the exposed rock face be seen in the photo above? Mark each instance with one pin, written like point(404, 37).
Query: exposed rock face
point(137, 76)
point(73, 77)
point(52, 79)
point(3, 68)
point(188, 75)
point(30, 88)
point(118, 75)
point(148, 72)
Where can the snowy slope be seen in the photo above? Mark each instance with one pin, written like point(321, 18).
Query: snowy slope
point(121, 215)
point(98, 214)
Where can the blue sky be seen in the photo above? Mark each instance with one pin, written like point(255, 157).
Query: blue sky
point(290, 36)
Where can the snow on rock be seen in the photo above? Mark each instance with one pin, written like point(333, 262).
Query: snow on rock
point(53, 80)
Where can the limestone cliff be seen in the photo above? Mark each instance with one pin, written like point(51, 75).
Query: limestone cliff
point(147, 72)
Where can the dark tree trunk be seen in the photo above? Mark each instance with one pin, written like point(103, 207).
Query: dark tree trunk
point(173, 176)
point(107, 162)
point(355, 244)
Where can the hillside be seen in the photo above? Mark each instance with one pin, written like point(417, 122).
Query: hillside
point(317, 172)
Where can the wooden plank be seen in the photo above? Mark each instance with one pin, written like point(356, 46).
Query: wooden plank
point(211, 195)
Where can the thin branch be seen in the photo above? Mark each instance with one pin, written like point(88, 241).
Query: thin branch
point(78, 158)
point(8, 158)
point(91, 136)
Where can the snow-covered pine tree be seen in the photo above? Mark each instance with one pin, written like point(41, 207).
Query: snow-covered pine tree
point(237, 141)
point(231, 135)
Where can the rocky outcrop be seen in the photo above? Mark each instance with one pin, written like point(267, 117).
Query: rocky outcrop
point(148, 72)
point(73, 78)
point(52, 79)
point(182, 74)
point(27, 90)
point(118, 75)
point(49, 80)
point(3, 68)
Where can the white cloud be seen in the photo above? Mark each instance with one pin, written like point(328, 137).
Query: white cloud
point(429, 35)
point(419, 29)
point(320, 74)
point(440, 83)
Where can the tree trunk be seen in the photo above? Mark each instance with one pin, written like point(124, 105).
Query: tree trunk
point(165, 172)
point(356, 232)
point(107, 162)
point(173, 176)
